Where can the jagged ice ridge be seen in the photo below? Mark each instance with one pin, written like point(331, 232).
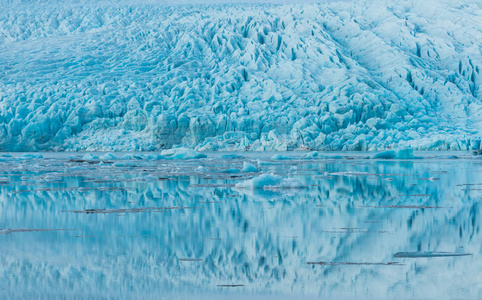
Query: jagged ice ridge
point(363, 75)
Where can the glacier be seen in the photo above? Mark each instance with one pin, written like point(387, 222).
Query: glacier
point(338, 75)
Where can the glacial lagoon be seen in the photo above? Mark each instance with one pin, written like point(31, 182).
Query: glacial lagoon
point(334, 226)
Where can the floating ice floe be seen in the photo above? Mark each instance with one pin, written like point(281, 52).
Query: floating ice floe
point(313, 154)
point(108, 156)
point(30, 156)
point(269, 181)
point(182, 153)
point(248, 167)
point(52, 177)
point(90, 156)
point(406, 153)
point(121, 164)
point(281, 157)
point(153, 156)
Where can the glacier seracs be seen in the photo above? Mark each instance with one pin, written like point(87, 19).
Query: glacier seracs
point(131, 76)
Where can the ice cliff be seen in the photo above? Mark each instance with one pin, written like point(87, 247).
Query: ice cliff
point(363, 75)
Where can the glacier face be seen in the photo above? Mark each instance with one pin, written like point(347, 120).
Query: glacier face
point(361, 75)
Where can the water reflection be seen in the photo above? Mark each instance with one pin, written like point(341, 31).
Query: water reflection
point(150, 228)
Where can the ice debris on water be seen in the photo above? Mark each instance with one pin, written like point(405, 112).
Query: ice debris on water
point(90, 156)
point(281, 157)
point(385, 155)
point(330, 76)
point(248, 167)
point(267, 181)
point(153, 156)
point(182, 153)
point(312, 154)
point(406, 153)
point(108, 156)
point(52, 177)
point(30, 156)
point(125, 164)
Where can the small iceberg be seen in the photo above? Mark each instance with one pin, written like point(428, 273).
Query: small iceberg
point(153, 156)
point(29, 156)
point(313, 154)
point(108, 156)
point(124, 164)
point(247, 167)
point(385, 155)
point(89, 156)
point(281, 157)
point(269, 181)
point(406, 153)
point(52, 177)
point(182, 153)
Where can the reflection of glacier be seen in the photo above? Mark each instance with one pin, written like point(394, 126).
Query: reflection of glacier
point(332, 76)
point(261, 239)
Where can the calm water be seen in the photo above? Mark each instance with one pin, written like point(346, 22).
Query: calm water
point(353, 229)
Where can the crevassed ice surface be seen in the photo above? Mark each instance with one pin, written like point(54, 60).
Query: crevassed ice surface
point(350, 229)
point(341, 75)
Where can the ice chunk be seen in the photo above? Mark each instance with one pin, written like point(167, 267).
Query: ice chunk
point(183, 153)
point(313, 154)
point(269, 181)
point(52, 178)
point(281, 157)
point(90, 156)
point(202, 169)
point(247, 167)
point(125, 164)
point(477, 152)
point(154, 156)
point(168, 152)
point(108, 156)
point(29, 156)
point(261, 181)
point(406, 154)
point(385, 155)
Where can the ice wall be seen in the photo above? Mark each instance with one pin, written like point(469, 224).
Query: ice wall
point(341, 75)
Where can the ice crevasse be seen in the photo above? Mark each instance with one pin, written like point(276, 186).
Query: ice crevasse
point(356, 75)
